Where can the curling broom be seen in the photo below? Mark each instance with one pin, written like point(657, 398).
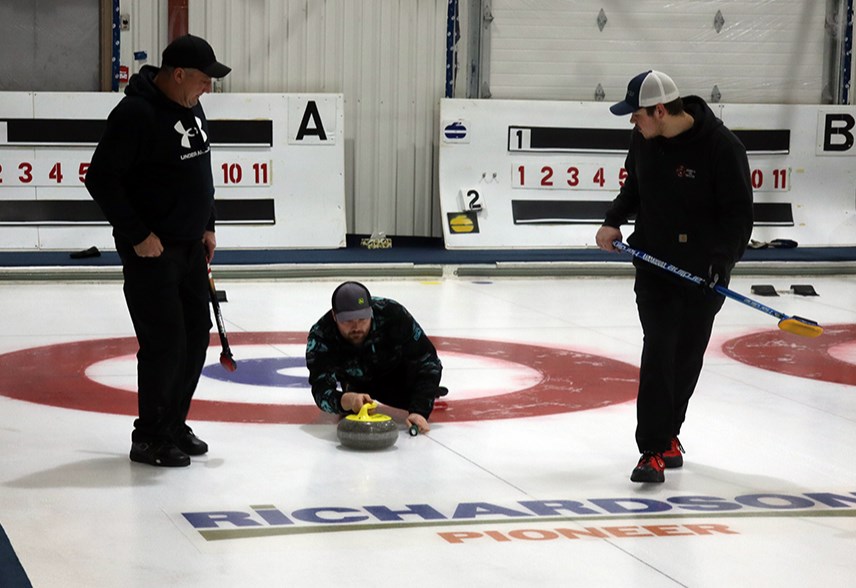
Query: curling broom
point(792, 324)
point(226, 359)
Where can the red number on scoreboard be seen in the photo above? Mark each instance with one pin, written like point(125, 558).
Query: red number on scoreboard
point(232, 173)
point(261, 170)
point(547, 176)
point(81, 171)
point(56, 173)
point(573, 176)
point(26, 172)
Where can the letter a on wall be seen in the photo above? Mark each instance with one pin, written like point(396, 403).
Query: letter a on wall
point(312, 121)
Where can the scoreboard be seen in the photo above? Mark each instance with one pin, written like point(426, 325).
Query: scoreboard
point(541, 174)
point(277, 162)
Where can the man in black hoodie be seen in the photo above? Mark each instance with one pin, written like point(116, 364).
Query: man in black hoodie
point(151, 176)
point(688, 185)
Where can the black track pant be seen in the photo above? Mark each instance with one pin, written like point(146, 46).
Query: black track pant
point(676, 322)
point(167, 297)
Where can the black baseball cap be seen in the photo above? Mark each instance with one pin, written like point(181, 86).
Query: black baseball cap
point(194, 52)
point(352, 301)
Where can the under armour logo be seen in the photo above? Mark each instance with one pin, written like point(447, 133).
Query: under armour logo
point(201, 131)
point(191, 132)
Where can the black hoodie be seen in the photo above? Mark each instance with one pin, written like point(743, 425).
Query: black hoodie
point(691, 194)
point(151, 171)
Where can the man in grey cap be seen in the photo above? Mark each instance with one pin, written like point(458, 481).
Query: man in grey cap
point(151, 176)
point(688, 186)
point(365, 349)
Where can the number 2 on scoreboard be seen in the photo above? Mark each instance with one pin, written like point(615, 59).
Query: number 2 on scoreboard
point(473, 200)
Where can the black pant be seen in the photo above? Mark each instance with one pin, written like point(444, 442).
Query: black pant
point(677, 321)
point(167, 297)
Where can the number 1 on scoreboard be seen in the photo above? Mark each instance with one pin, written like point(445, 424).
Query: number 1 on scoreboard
point(519, 138)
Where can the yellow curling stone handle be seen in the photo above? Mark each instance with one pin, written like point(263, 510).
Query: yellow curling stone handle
point(364, 415)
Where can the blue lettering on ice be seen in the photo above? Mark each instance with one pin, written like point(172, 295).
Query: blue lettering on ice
point(212, 520)
point(555, 508)
point(471, 510)
point(314, 515)
point(777, 501)
point(704, 503)
point(630, 505)
point(325, 515)
point(834, 500)
point(423, 511)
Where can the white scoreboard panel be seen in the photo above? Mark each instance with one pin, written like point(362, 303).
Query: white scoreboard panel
point(277, 159)
point(540, 174)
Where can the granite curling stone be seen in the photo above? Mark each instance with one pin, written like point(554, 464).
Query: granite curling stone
point(367, 431)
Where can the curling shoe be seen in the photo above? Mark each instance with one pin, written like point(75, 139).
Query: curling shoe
point(190, 444)
point(649, 469)
point(673, 457)
point(159, 453)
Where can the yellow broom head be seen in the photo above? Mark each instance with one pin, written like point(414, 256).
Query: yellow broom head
point(800, 326)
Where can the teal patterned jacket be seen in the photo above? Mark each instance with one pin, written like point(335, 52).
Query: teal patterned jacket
point(396, 345)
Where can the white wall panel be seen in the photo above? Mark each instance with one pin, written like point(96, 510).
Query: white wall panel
point(767, 51)
point(148, 32)
point(386, 57)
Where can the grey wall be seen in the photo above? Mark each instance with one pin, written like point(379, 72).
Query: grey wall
point(50, 45)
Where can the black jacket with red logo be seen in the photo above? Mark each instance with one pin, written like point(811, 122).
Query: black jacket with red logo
point(691, 195)
point(151, 171)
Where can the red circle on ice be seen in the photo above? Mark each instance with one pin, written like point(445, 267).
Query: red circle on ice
point(790, 354)
point(55, 375)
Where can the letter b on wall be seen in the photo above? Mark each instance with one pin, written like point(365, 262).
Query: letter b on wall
point(835, 132)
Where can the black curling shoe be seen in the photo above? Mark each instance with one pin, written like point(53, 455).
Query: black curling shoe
point(159, 453)
point(190, 443)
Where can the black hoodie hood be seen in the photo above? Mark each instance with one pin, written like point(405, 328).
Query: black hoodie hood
point(705, 123)
point(142, 84)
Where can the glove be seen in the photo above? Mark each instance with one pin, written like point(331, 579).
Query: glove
point(715, 275)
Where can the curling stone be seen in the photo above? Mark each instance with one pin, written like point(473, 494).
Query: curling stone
point(367, 431)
